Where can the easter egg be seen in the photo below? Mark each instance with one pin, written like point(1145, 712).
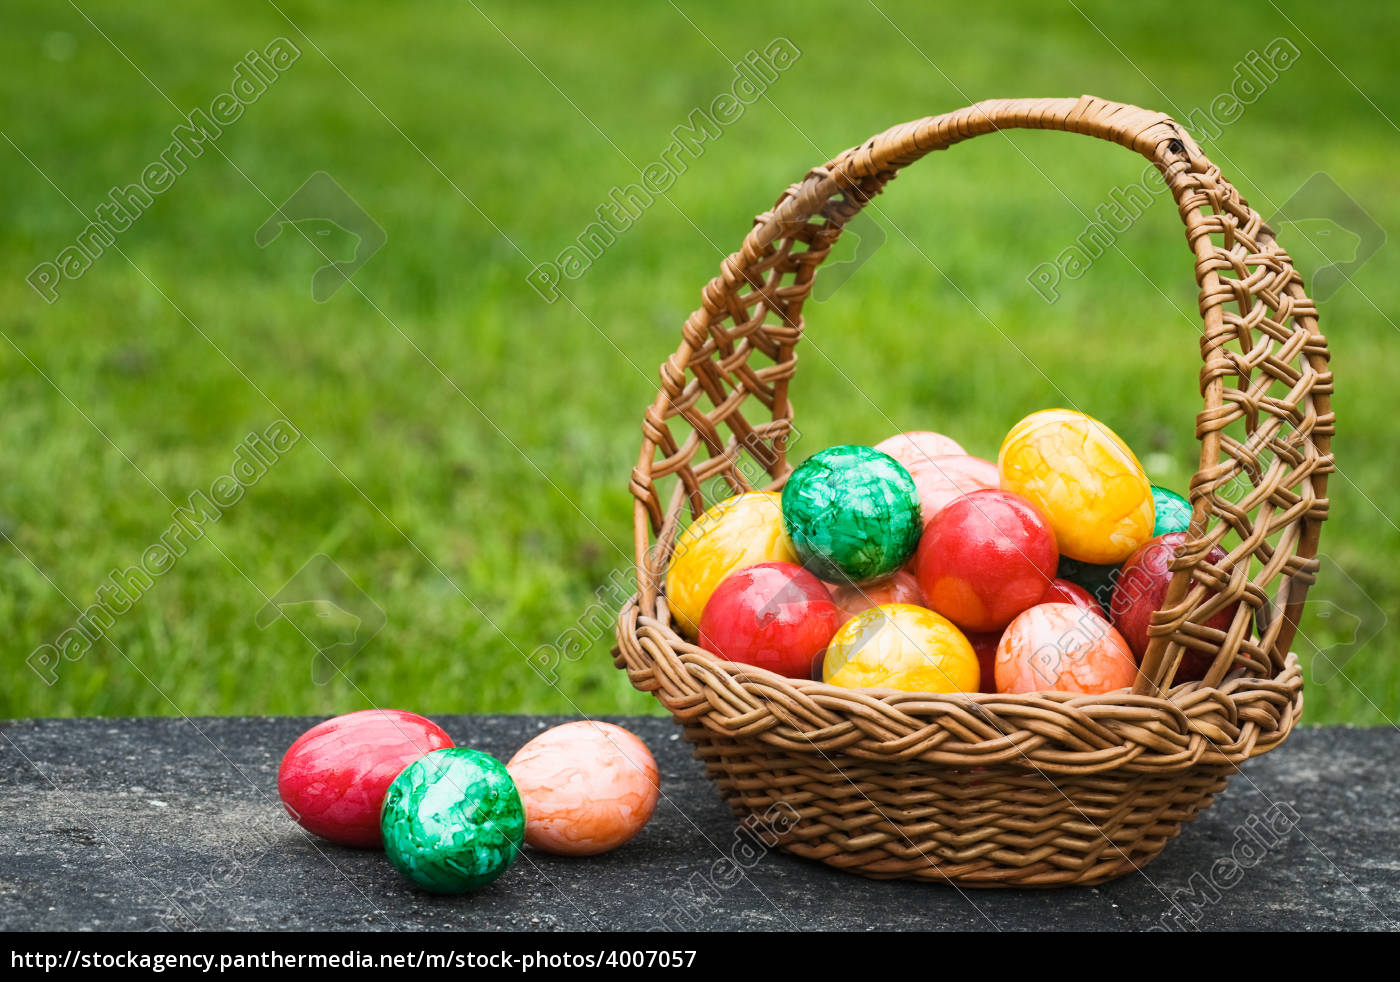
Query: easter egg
point(916, 445)
point(984, 646)
point(1063, 648)
point(333, 778)
point(774, 615)
point(854, 598)
point(1141, 589)
point(740, 531)
point(1171, 512)
point(985, 558)
point(900, 646)
point(939, 480)
point(1097, 581)
point(1064, 592)
point(588, 787)
point(1086, 481)
point(453, 821)
point(852, 514)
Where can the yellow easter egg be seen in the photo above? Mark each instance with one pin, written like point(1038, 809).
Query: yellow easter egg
point(1085, 479)
point(739, 532)
point(900, 646)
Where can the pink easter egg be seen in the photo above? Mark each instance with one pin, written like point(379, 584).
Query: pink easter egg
point(941, 479)
point(899, 587)
point(916, 445)
point(588, 787)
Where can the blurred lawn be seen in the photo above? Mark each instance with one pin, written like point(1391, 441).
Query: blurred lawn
point(467, 447)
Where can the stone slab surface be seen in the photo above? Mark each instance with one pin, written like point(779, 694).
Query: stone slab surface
point(140, 824)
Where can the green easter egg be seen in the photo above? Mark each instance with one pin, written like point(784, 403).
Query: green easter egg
point(453, 821)
point(1099, 580)
point(1173, 512)
point(852, 514)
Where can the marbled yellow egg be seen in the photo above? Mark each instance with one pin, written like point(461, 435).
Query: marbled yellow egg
point(900, 646)
point(739, 532)
point(1085, 479)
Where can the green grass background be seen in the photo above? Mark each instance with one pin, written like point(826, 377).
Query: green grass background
point(468, 446)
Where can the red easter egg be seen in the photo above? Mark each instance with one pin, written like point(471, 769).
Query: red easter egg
point(776, 616)
point(1065, 592)
point(854, 598)
point(939, 480)
point(986, 557)
point(985, 645)
point(1063, 648)
point(333, 778)
point(1139, 592)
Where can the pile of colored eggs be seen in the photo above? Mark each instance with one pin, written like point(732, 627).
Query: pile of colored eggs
point(453, 819)
point(912, 565)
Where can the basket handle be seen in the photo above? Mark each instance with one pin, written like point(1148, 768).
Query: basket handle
point(767, 281)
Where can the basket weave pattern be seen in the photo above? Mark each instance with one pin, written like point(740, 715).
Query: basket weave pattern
point(992, 789)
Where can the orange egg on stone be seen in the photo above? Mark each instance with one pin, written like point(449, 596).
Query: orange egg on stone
point(587, 787)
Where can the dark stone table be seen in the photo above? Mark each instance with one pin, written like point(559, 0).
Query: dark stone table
point(137, 824)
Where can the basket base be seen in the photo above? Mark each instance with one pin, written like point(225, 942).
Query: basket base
point(996, 826)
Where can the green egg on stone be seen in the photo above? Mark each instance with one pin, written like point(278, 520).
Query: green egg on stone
point(852, 514)
point(1172, 511)
point(453, 821)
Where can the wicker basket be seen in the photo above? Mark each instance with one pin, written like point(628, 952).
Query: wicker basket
point(1040, 789)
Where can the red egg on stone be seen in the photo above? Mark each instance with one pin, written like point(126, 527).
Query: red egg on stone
point(1063, 648)
point(333, 779)
point(1065, 592)
point(776, 616)
point(854, 598)
point(985, 558)
point(1139, 592)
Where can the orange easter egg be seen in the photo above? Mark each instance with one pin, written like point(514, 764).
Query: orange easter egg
point(1063, 648)
point(587, 787)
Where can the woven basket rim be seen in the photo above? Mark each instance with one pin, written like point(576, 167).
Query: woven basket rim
point(1230, 723)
